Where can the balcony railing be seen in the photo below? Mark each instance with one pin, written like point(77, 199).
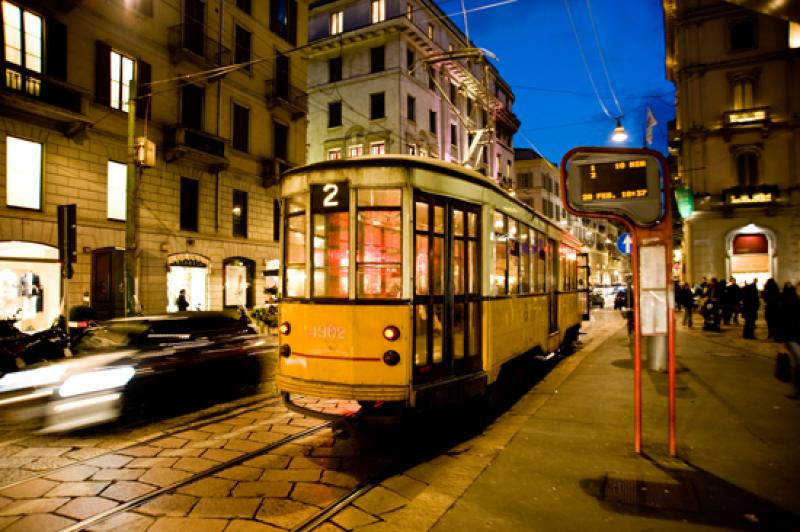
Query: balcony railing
point(745, 117)
point(196, 145)
point(186, 41)
point(287, 96)
point(17, 80)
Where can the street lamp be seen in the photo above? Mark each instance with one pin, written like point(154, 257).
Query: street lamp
point(619, 134)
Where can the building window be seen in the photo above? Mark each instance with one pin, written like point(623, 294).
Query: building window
point(376, 106)
point(334, 114)
point(376, 59)
point(377, 148)
point(239, 213)
point(22, 31)
point(430, 31)
point(190, 196)
point(743, 93)
point(453, 135)
point(242, 46)
point(336, 22)
point(23, 173)
point(116, 193)
point(244, 5)
point(334, 154)
point(410, 11)
point(453, 93)
point(432, 121)
point(747, 168)
point(241, 128)
point(121, 76)
point(742, 34)
point(378, 10)
point(410, 60)
point(283, 19)
point(524, 180)
point(794, 35)
point(335, 70)
point(192, 106)
point(411, 108)
point(355, 151)
point(280, 141)
point(432, 80)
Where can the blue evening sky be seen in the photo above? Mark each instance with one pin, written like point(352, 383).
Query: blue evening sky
point(539, 57)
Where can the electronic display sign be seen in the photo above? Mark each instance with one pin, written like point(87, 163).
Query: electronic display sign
point(625, 183)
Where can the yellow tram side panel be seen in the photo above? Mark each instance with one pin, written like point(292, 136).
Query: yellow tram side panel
point(513, 326)
point(569, 312)
point(337, 351)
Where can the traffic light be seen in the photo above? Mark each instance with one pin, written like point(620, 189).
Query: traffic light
point(67, 238)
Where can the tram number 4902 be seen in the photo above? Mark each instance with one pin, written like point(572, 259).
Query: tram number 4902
point(326, 332)
point(330, 197)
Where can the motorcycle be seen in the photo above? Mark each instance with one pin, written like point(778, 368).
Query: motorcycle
point(19, 350)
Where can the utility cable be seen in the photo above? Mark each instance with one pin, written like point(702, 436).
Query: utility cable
point(602, 58)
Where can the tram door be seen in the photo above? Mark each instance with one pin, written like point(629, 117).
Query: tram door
point(447, 305)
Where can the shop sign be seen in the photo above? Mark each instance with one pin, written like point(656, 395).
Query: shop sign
point(750, 195)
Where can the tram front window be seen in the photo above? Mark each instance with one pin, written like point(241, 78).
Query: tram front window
point(331, 246)
point(379, 251)
point(295, 249)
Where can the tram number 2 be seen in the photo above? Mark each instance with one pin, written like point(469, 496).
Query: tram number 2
point(330, 197)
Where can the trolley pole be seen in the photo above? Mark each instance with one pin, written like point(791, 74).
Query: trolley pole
point(131, 280)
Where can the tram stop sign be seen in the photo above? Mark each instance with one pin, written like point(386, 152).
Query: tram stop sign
point(616, 181)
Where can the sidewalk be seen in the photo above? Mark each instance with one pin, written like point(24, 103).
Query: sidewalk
point(562, 458)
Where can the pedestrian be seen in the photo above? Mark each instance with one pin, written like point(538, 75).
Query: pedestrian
point(750, 304)
point(772, 304)
point(735, 298)
point(686, 300)
point(181, 301)
point(790, 312)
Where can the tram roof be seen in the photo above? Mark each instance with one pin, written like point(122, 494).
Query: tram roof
point(426, 163)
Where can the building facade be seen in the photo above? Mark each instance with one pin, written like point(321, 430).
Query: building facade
point(736, 139)
point(537, 183)
point(397, 76)
point(219, 93)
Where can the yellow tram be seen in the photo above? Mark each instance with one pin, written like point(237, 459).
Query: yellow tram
point(410, 282)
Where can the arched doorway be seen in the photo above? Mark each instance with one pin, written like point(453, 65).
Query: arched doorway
point(750, 254)
point(30, 284)
point(187, 271)
point(239, 278)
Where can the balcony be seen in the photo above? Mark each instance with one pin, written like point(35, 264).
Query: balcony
point(196, 146)
point(187, 42)
point(291, 98)
point(48, 101)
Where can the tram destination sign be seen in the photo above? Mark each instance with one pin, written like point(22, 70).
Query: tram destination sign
point(625, 183)
point(330, 197)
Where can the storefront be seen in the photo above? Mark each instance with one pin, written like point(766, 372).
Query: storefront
point(30, 284)
point(750, 254)
point(190, 272)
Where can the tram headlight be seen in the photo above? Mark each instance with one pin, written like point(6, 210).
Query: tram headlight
point(391, 333)
point(285, 350)
point(391, 358)
point(285, 328)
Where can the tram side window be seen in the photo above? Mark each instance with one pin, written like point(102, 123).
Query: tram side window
point(379, 243)
point(525, 260)
point(295, 237)
point(513, 256)
point(499, 237)
point(540, 258)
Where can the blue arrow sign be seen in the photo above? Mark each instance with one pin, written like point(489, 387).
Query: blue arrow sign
point(625, 243)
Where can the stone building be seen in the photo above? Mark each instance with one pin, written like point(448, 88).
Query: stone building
point(220, 93)
point(397, 76)
point(737, 138)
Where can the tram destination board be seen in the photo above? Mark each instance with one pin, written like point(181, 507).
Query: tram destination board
point(614, 182)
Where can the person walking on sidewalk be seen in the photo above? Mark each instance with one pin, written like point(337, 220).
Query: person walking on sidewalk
point(790, 313)
point(735, 298)
point(686, 300)
point(750, 304)
point(772, 303)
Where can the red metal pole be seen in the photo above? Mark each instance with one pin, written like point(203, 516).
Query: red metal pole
point(637, 346)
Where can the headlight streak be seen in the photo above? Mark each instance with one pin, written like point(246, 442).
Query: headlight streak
point(32, 378)
point(94, 381)
point(89, 401)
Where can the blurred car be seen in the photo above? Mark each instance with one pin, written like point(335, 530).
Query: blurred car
point(597, 299)
point(621, 299)
point(127, 363)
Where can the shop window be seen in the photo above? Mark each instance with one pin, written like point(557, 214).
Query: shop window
point(747, 168)
point(117, 189)
point(31, 278)
point(379, 244)
point(241, 128)
point(23, 173)
point(243, 43)
point(295, 248)
point(238, 286)
point(239, 213)
point(190, 273)
point(190, 196)
point(378, 10)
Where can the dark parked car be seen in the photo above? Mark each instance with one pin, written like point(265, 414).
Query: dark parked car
point(124, 364)
point(596, 299)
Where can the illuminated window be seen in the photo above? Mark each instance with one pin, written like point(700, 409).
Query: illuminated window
point(239, 213)
point(121, 75)
point(430, 31)
point(295, 248)
point(410, 11)
point(23, 173)
point(743, 93)
point(377, 148)
point(499, 237)
point(794, 35)
point(22, 32)
point(330, 260)
point(379, 244)
point(525, 241)
point(513, 256)
point(334, 154)
point(355, 151)
point(117, 190)
point(337, 22)
point(378, 10)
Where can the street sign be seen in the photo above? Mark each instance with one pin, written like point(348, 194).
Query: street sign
point(625, 243)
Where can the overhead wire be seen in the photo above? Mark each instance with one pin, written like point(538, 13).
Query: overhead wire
point(602, 57)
